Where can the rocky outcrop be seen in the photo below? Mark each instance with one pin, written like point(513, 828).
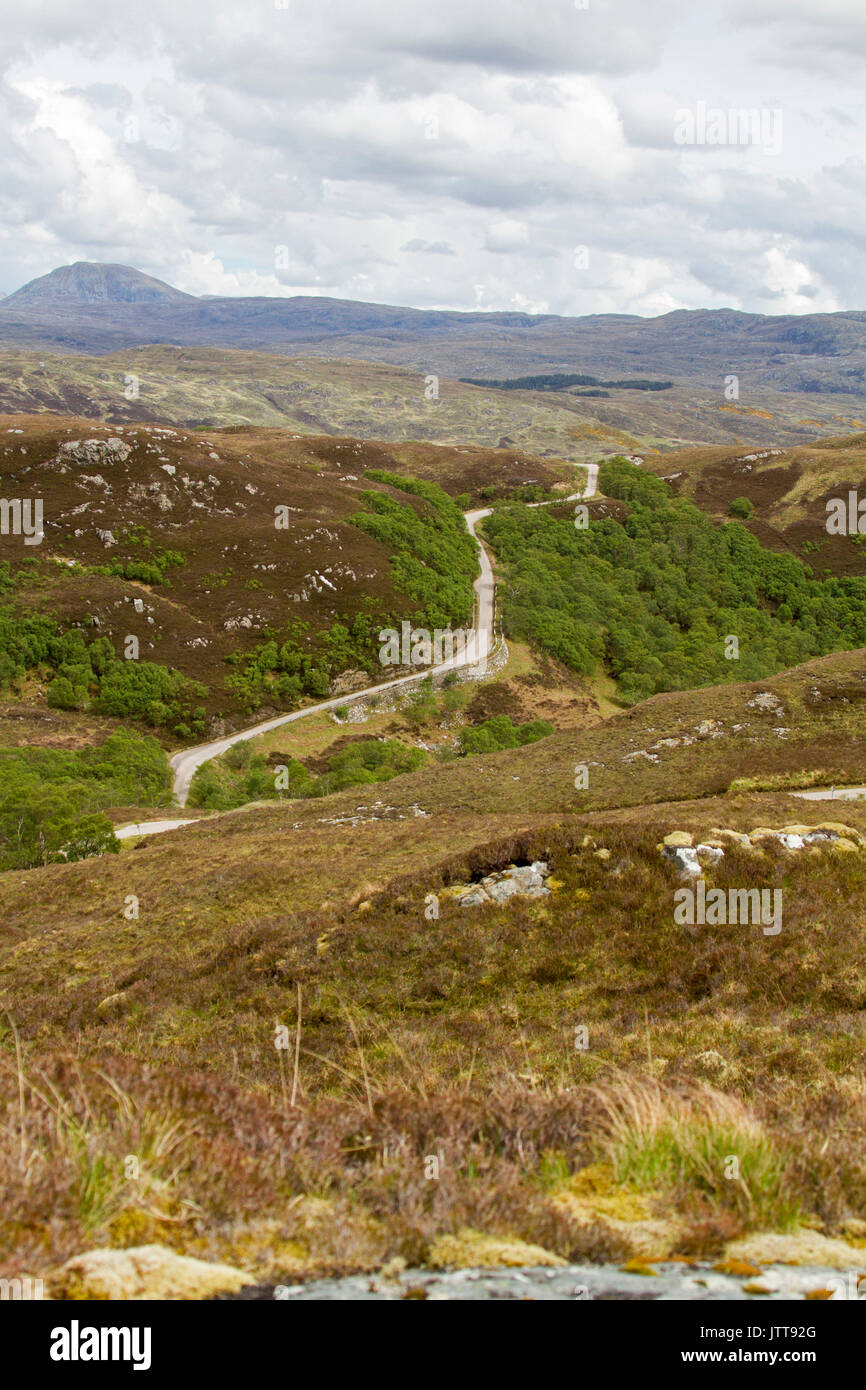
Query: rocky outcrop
point(94, 453)
point(527, 881)
point(690, 859)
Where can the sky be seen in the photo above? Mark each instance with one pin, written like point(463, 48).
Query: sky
point(541, 156)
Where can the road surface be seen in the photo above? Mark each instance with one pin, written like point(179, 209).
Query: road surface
point(832, 794)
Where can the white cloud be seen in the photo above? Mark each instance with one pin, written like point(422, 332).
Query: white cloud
point(438, 155)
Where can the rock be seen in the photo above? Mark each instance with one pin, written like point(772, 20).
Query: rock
point(145, 1272)
point(618, 1219)
point(708, 728)
point(526, 877)
point(138, 605)
point(348, 682)
point(94, 452)
point(844, 845)
point(113, 1005)
point(733, 836)
point(470, 1249)
point(820, 837)
point(523, 880)
point(502, 891)
point(766, 700)
point(679, 839)
point(474, 897)
point(839, 829)
point(709, 854)
point(800, 1248)
point(791, 841)
point(603, 854)
point(685, 859)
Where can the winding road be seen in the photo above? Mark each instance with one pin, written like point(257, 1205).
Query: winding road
point(185, 764)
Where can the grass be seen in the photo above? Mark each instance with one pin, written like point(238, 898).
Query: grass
point(416, 1036)
point(702, 1142)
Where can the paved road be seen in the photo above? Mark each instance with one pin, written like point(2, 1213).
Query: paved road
point(186, 763)
point(833, 794)
point(148, 827)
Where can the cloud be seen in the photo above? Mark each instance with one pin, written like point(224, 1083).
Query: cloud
point(428, 248)
point(438, 155)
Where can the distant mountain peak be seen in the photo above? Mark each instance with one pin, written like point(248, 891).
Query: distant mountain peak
point(93, 282)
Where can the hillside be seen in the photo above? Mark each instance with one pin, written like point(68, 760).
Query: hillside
point(452, 934)
point(211, 387)
point(171, 537)
point(75, 309)
point(455, 1035)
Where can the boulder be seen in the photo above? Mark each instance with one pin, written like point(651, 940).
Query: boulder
point(94, 452)
point(735, 837)
point(678, 839)
point(685, 859)
point(470, 1249)
point(800, 1248)
point(145, 1272)
point(617, 1219)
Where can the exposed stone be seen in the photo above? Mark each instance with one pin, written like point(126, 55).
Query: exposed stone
point(734, 836)
point(800, 1248)
point(113, 1005)
point(518, 880)
point(145, 1272)
point(470, 1249)
point(349, 681)
point(709, 854)
point(766, 700)
point(678, 839)
point(685, 859)
point(94, 452)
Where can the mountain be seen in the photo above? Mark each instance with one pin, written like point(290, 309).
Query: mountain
point(91, 282)
point(90, 308)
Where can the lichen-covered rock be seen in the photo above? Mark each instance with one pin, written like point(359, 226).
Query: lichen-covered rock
point(518, 880)
point(619, 1219)
point(684, 858)
point(470, 1249)
point(94, 452)
point(146, 1272)
point(732, 836)
point(800, 1248)
point(679, 839)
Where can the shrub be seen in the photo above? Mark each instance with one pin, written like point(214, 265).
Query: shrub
point(741, 507)
point(62, 694)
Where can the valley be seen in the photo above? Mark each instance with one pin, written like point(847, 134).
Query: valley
point(281, 1004)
